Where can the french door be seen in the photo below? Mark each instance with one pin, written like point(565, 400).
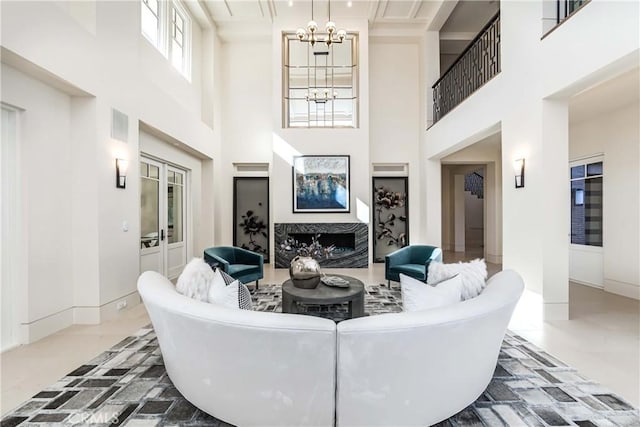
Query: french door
point(163, 209)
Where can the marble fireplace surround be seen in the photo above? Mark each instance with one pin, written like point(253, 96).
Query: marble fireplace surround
point(357, 257)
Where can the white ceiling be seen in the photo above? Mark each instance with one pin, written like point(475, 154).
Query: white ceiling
point(225, 11)
point(247, 18)
point(608, 96)
point(464, 23)
point(469, 16)
point(458, 20)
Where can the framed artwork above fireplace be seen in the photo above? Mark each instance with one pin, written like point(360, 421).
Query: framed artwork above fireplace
point(321, 184)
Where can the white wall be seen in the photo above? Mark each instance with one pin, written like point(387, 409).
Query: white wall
point(161, 149)
point(45, 171)
point(395, 120)
point(616, 135)
point(103, 57)
point(252, 128)
point(352, 142)
point(486, 153)
point(568, 67)
point(12, 246)
point(252, 124)
point(247, 117)
point(528, 101)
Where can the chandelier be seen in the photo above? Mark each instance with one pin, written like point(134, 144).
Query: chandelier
point(320, 96)
point(310, 35)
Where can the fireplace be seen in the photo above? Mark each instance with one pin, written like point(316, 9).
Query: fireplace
point(350, 240)
point(343, 242)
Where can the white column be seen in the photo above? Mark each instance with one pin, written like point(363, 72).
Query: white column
point(493, 213)
point(447, 210)
point(555, 210)
point(430, 170)
point(85, 216)
point(433, 210)
point(459, 213)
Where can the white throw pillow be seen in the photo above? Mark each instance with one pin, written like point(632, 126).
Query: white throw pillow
point(232, 295)
point(417, 295)
point(195, 280)
point(473, 275)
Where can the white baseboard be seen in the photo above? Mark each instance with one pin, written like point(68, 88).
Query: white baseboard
point(92, 315)
point(555, 311)
point(110, 310)
point(87, 315)
point(38, 329)
point(625, 289)
point(584, 283)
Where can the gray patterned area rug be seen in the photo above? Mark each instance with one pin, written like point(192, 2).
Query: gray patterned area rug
point(127, 385)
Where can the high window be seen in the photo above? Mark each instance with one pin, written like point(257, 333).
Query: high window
point(167, 26)
point(556, 12)
point(150, 21)
point(320, 83)
point(586, 203)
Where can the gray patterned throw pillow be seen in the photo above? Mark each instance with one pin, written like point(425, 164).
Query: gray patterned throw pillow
point(244, 297)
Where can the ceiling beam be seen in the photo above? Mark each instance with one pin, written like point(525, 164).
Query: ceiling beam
point(415, 8)
point(272, 9)
point(226, 3)
point(261, 8)
point(373, 10)
point(442, 14)
point(201, 13)
point(384, 5)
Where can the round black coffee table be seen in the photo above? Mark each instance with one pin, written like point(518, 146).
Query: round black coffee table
point(325, 295)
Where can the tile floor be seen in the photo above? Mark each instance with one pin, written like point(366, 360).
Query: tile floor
point(602, 340)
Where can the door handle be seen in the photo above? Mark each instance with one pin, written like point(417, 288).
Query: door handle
point(162, 235)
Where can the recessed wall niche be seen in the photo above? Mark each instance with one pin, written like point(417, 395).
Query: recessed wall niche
point(390, 222)
point(251, 214)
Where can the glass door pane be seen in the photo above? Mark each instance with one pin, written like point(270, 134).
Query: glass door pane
point(175, 206)
point(149, 206)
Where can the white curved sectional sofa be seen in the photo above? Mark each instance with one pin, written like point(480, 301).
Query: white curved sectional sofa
point(269, 369)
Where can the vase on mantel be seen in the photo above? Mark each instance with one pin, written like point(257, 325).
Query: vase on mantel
point(304, 272)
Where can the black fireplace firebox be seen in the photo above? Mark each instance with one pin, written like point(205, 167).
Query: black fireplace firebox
point(342, 242)
point(350, 240)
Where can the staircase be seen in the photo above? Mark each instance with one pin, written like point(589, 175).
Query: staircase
point(474, 183)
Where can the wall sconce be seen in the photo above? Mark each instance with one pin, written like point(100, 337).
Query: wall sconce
point(121, 173)
point(518, 168)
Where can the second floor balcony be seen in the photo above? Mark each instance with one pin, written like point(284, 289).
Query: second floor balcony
point(476, 65)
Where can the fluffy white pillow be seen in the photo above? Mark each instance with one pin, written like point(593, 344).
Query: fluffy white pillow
point(195, 280)
point(417, 295)
point(230, 295)
point(473, 275)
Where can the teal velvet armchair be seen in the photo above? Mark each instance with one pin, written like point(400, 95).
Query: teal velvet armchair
point(412, 261)
point(238, 263)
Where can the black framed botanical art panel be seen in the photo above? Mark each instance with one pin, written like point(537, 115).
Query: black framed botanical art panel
point(321, 184)
point(390, 215)
point(251, 214)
